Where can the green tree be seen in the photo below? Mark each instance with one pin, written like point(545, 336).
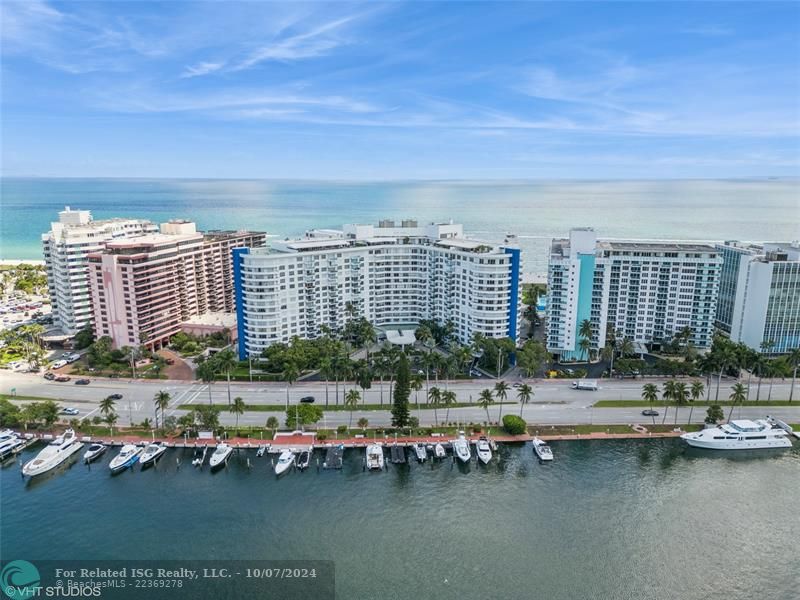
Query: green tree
point(514, 425)
point(363, 423)
point(351, 399)
point(485, 400)
point(226, 362)
point(207, 416)
point(111, 419)
point(668, 395)
point(681, 397)
point(302, 414)
point(272, 423)
point(161, 401)
point(501, 392)
point(714, 414)
point(524, 395)
point(650, 393)
point(435, 399)
point(448, 400)
point(696, 393)
point(290, 375)
point(738, 396)
point(402, 390)
point(206, 371)
point(107, 405)
point(416, 386)
point(585, 333)
point(794, 361)
point(237, 407)
point(9, 414)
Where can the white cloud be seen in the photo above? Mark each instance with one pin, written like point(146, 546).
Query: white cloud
point(203, 68)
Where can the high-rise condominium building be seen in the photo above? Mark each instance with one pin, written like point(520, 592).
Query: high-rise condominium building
point(144, 287)
point(66, 247)
point(391, 275)
point(761, 302)
point(648, 291)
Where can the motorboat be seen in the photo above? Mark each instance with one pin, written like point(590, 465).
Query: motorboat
point(220, 455)
point(483, 450)
point(333, 457)
point(56, 452)
point(439, 451)
point(420, 452)
point(739, 435)
point(397, 454)
point(285, 460)
point(543, 451)
point(303, 459)
point(461, 447)
point(199, 455)
point(7, 434)
point(375, 460)
point(260, 451)
point(9, 445)
point(127, 457)
point(151, 454)
point(93, 452)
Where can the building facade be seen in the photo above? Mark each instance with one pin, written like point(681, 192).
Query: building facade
point(648, 291)
point(762, 308)
point(388, 274)
point(66, 249)
point(143, 288)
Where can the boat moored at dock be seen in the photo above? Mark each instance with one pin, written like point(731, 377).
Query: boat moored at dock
point(220, 456)
point(420, 452)
point(10, 444)
point(739, 435)
point(542, 449)
point(127, 457)
point(285, 460)
point(398, 454)
point(375, 459)
point(461, 448)
point(304, 458)
point(483, 450)
point(333, 457)
point(439, 451)
point(94, 451)
point(56, 452)
point(151, 454)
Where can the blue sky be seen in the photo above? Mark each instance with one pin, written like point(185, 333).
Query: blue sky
point(401, 90)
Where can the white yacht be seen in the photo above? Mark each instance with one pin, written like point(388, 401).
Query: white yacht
point(151, 454)
point(439, 451)
point(483, 450)
point(285, 460)
point(9, 444)
point(461, 447)
point(56, 452)
point(93, 452)
point(375, 460)
point(220, 455)
point(127, 457)
point(420, 452)
point(739, 435)
point(543, 451)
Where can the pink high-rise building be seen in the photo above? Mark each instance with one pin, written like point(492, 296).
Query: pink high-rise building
point(144, 287)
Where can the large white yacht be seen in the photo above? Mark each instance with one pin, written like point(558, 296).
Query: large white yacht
point(739, 435)
point(56, 452)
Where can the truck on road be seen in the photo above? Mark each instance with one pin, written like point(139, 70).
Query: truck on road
point(584, 384)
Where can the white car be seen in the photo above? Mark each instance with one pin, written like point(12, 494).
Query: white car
point(71, 358)
point(58, 364)
point(70, 411)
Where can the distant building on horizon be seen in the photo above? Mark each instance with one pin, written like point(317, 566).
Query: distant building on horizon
point(144, 288)
point(760, 295)
point(66, 249)
point(647, 290)
point(390, 274)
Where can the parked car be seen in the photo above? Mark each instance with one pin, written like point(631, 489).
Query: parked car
point(49, 376)
point(70, 411)
point(63, 378)
point(58, 364)
point(307, 399)
point(82, 382)
point(116, 396)
point(649, 412)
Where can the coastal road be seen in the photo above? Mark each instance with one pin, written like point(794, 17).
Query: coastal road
point(554, 401)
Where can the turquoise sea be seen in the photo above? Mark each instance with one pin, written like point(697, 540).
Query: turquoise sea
point(607, 520)
point(536, 211)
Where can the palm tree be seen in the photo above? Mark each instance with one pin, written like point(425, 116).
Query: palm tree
point(485, 400)
point(667, 394)
point(237, 408)
point(771, 371)
point(696, 392)
point(738, 395)
point(794, 361)
point(759, 365)
point(416, 386)
point(680, 397)
point(585, 344)
point(351, 399)
point(206, 371)
point(524, 394)
point(435, 398)
point(650, 393)
point(326, 370)
point(626, 347)
point(289, 375)
point(226, 362)
point(363, 423)
point(107, 405)
point(448, 399)
point(161, 400)
point(110, 419)
point(585, 333)
point(501, 391)
point(726, 357)
point(273, 423)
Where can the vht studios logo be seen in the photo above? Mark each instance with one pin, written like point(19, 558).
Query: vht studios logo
point(20, 579)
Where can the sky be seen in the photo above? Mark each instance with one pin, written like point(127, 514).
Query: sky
point(421, 90)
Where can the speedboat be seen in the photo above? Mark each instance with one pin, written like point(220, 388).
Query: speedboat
point(439, 451)
point(285, 460)
point(260, 451)
point(220, 455)
point(127, 457)
point(420, 452)
point(375, 458)
point(483, 450)
point(543, 451)
point(10, 445)
point(152, 453)
point(93, 452)
point(461, 448)
point(739, 435)
point(56, 452)
point(303, 459)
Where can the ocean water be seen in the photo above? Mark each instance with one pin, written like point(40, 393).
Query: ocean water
point(536, 211)
point(616, 520)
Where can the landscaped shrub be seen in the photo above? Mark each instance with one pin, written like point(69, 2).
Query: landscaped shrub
point(514, 425)
point(341, 429)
